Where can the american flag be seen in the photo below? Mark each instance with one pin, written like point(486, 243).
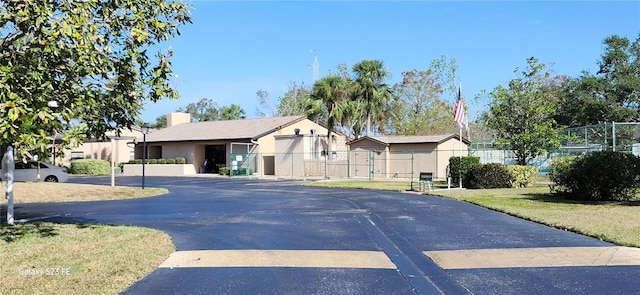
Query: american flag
point(458, 112)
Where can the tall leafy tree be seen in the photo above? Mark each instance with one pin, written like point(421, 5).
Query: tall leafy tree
point(612, 94)
point(292, 102)
point(232, 112)
point(370, 89)
point(418, 107)
point(522, 114)
point(81, 68)
point(205, 109)
point(328, 93)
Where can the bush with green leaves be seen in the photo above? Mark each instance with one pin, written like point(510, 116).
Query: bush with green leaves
point(560, 167)
point(598, 176)
point(90, 167)
point(458, 167)
point(224, 171)
point(162, 161)
point(171, 161)
point(181, 160)
point(523, 176)
point(491, 175)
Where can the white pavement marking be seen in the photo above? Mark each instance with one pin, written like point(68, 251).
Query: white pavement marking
point(535, 257)
point(279, 258)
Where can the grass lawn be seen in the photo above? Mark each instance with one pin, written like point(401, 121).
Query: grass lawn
point(616, 222)
point(45, 192)
point(51, 258)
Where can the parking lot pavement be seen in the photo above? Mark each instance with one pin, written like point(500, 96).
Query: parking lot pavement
point(237, 236)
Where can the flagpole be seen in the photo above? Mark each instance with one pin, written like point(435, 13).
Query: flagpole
point(460, 168)
point(459, 118)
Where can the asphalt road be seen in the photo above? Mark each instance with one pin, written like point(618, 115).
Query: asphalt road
point(237, 236)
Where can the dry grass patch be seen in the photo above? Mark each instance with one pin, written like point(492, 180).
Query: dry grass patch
point(44, 192)
point(50, 258)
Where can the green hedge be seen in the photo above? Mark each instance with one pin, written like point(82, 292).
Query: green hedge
point(459, 168)
point(599, 176)
point(523, 176)
point(491, 175)
point(179, 160)
point(90, 167)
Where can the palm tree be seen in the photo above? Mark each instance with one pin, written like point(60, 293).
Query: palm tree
point(328, 94)
point(370, 88)
point(232, 112)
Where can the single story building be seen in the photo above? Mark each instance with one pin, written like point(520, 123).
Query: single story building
point(407, 156)
point(246, 143)
point(117, 148)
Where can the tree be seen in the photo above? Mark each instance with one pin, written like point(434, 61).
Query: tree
point(266, 109)
point(292, 102)
point(610, 95)
point(370, 89)
point(330, 92)
point(232, 112)
point(81, 68)
point(161, 122)
point(203, 110)
point(522, 114)
point(417, 107)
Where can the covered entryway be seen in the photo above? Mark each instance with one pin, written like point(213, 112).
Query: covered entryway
point(215, 156)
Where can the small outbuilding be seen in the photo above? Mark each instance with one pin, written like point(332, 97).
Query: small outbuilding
point(407, 156)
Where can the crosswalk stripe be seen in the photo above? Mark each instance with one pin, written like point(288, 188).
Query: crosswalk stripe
point(535, 257)
point(279, 258)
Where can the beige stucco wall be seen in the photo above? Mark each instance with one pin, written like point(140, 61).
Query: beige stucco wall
point(159, 170)
point(119, 151)
point(403, 160)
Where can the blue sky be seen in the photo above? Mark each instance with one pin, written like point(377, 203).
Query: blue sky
point(235, 48)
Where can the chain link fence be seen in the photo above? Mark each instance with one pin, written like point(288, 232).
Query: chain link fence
point(356, 164)
point(624, 137)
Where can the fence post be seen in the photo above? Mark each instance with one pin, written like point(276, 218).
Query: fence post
point(412, 165)
point(326, 156)
point(613, 131)
point(348, 164)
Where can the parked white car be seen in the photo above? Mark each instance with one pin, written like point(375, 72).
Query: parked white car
point(29, 172)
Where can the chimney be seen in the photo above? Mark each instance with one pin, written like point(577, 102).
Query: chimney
point(174, 119)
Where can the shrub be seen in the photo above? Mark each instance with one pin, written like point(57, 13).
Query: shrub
point(171, 161)
point(602, 175)
point(162, 161)
point(559, 169)
point(152, 161)
point(491, 175)
point(181, 160)
point(224, 171)
point(459, 168)
point(243, 171)
point(90, 167)
point(523, 176)
point(135, 161)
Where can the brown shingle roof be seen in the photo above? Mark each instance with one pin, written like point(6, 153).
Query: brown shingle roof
point(222, 130)
point(411, 139)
